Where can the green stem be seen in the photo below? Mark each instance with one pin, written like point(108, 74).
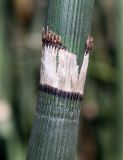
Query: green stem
point(55, 128)
point(71, 19)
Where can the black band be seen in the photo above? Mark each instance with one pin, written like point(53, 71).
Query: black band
point(60, 93)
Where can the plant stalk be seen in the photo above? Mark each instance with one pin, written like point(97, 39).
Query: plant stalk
point(55, 129)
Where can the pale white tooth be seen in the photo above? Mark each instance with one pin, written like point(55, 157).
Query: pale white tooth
point(83, 72)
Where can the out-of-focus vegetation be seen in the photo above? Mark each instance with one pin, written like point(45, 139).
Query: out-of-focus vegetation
point(20, 51)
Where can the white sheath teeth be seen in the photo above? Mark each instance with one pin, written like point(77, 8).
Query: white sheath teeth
point(60, 70)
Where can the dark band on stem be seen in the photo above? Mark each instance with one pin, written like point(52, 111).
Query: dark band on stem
point(57, 92)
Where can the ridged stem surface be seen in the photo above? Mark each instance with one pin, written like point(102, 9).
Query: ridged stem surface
point(55, 128)
point(71, 19)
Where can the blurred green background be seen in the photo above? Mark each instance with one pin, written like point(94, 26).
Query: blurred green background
point(101, 126)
